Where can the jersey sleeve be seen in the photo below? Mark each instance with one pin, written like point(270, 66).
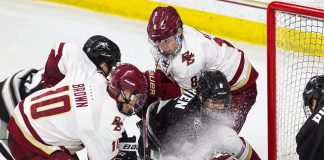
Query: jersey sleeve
point(99, 145)
point(223, 56)
point(229, 142)
point(247, 153)
point(60, 60)
point(310, 137)
point(170, 89)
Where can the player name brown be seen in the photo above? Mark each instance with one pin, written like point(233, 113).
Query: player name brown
point(80, 95)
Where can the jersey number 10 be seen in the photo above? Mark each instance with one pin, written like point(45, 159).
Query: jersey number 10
point(51, 103)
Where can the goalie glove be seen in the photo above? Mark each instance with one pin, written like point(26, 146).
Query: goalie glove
point(127, 147)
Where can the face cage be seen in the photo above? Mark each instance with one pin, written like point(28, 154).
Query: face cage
point(227, 102)
point(137, 107)
point(307, 105)
point(307, 110)
point(163, 55)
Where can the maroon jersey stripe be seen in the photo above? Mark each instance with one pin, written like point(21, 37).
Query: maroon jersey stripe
point(251, 81)
point(58, 90)
point(239, 70)
point(18, 135)
point(52, 73)
point(27, 123)
point(60, 50)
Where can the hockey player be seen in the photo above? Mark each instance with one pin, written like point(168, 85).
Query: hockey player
point(182, 53)
point(99, 49)
point(196, 126)
point(81, 110)
point(310, 143)
point(104, 53)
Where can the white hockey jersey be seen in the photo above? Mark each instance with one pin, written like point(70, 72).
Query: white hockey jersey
point(75, 113)
point(201, 52)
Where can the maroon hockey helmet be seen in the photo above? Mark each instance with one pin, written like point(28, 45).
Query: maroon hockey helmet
point(164, 22)
point(128, 77)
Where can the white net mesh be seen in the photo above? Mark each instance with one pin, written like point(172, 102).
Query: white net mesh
point(300, 55)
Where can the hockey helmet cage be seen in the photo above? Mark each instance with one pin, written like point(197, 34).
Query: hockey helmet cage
point(128, 77)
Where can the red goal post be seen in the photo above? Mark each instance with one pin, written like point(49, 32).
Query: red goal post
point(295, 53)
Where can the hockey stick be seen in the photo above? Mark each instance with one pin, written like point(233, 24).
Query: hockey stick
point(145, 137)
point(4, 150)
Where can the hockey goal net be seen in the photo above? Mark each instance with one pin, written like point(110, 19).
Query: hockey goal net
point(295, 46)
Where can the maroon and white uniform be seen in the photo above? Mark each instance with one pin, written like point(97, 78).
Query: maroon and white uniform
point(201, 52)
point(75, 113)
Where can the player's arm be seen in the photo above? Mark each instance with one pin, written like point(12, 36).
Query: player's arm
point(160, 86)
point(235, 146)
point(232, 62)
point(60, 60)
point(99, 145)
point(310, 138)
point(248, 153)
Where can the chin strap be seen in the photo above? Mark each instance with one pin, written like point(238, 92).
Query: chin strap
point(179, 43)
point(126, 101)
point(120, 108)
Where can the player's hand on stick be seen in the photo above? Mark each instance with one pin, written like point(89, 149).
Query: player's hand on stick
point(127, 147)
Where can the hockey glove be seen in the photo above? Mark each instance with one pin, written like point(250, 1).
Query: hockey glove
point(127, 147)
point(160, 86)
point(154, 83)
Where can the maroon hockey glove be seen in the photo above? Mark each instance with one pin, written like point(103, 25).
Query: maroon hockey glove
point(170, 91)
point(160, 86)
point(154, 83)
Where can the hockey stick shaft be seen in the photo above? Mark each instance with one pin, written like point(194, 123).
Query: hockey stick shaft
point(145, 136)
